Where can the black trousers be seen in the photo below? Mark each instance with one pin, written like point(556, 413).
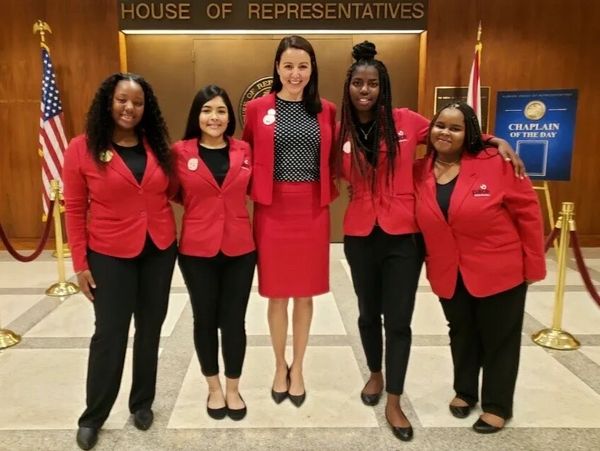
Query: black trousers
point(219, 289)
point(385, 272)
point(124, 287)
point(486, 333)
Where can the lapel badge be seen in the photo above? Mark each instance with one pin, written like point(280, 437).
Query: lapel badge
point(192, 164)
point(347, 147)
point(245, 164)
point(483, 191)
point(269, 117)
point(106, 156)
point(401, 135)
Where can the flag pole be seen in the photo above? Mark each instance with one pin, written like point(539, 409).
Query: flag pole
point(42, 28)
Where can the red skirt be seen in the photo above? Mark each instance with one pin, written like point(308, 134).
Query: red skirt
point(292, 240)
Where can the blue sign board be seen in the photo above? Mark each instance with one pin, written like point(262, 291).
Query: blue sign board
point(540, 126)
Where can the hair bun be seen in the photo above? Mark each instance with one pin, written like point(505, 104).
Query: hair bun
point(364, 51)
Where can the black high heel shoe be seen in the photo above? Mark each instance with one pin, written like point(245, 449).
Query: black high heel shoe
point(279, 396)
point(297, 400)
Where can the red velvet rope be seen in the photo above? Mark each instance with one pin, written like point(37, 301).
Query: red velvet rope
point(585, 275)
point(551, 237)
point(39, 249)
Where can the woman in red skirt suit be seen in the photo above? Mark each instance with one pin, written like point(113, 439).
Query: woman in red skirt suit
point(291, 134)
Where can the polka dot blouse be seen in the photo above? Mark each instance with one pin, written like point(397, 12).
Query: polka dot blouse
point(297, 143)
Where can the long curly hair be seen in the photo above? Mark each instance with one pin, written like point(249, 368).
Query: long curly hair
point(364, 55)
point(473, 141)
point(310, 96)
point(100, 125)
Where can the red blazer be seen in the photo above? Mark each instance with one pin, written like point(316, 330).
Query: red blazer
point(261, 139)
point(215, 217)
point(494, 234)
point(108, 211)
point(392, 206)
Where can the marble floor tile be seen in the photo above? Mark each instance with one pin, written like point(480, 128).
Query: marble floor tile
point(547, 394)
point(581, 315)
point(333, 384)
point(572, 277)
point(13, 306)
point(593, 352)
point(593, 263)
point(428, 317)
point(45, 389)
point(326, 317)
point(75, 318)
point(35, 274)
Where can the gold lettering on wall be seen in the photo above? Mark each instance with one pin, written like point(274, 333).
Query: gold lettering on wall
point(336, 11)
point(156, 11)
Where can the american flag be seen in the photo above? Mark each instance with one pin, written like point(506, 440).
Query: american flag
point(52, 135)
point(474, 91)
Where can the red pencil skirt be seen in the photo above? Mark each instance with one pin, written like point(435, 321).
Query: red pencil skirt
point(292, 240)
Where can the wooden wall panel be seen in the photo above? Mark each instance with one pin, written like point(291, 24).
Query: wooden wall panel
point(534, 44)
point(84, 49)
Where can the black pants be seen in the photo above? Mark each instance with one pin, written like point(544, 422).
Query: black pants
point(385, 272)
point(219, 289)
point(126, 286)
point(486, 333)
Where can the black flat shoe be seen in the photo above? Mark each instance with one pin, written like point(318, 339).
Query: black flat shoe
point(460, 411)
point(404, 434)
point(237, 414)
point(297, 400)
point(482, 427)
point(370, 399)
point(87, 437)
point(143, 419)
point(216, 414)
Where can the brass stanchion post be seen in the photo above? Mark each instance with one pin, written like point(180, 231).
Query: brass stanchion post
point(555, 337)
point(8, 338)
point(62, 288)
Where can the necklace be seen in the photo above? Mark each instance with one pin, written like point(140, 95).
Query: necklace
point(447, 163)
point(368, 132)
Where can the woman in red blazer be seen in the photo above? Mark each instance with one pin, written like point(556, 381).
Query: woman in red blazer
point(483, 233)
point(382, 242)
point(291, 134)
point(216, 249)
point(122, 236)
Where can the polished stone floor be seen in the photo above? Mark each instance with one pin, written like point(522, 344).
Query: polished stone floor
point(557, 401)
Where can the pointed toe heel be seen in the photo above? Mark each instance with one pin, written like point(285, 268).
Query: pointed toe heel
point(297, 400)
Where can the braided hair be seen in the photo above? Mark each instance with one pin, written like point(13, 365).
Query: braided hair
point(384, 128)
point(473, 143)
point(100, 124)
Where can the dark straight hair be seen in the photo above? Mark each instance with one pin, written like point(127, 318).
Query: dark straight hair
point(209, 92)
point(310, 96)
